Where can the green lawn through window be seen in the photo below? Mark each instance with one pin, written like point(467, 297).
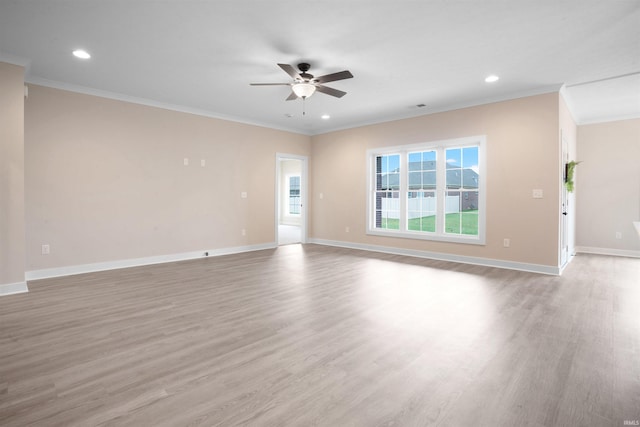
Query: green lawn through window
point(455, 223)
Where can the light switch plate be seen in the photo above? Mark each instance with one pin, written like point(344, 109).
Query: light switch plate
point(537, 193)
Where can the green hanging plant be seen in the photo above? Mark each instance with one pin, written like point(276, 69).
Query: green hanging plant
point(569, 168)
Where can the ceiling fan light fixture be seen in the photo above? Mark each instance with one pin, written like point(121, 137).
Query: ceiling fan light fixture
point(303, 90)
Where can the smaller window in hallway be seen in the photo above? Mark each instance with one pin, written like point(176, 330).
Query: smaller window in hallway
point(294, 195)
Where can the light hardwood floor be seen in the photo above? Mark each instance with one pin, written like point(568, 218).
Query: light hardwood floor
point(312, 335)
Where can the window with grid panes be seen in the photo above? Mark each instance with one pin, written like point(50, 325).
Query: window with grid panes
point(432, 191)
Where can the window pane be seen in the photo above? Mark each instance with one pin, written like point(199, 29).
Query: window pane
point(394, 181)
point(469, 213)
point(387, 172)
point(415, 161)
point(294, 185)
point(429, 180)
point(421, 205)
point(422, 170)
point(429, 160)
point(454, 178)
point(470, 157)
point(385, 164)
point(421, 211)
point(462, 212)
point(415, 180)
point(470, 223)
point(294, 195)
point(384, 180)
point(454, 158)
point(452, 213)
point(469, 201)
point(469, 178)
point(387, 210)
point(394, 163)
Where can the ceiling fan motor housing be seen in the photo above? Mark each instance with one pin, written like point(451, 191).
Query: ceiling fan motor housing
point(304, 67)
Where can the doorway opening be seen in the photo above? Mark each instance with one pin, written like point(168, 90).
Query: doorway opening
point(291, 194)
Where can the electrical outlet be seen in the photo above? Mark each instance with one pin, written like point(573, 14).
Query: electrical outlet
point(506, 243)
point(243, 232)
point(321, 196)
point(185, 161)
point(346, 229)
point(618, 235)
point(46, 249)
point(243, 195)
point(203, 162)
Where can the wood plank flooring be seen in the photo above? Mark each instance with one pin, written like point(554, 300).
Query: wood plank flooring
point(312, 335)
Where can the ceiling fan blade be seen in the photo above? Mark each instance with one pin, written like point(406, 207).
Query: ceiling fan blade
point(291, 71)
point(330, 91)
point(333, 77)
point(292, 97)
point(270, 84)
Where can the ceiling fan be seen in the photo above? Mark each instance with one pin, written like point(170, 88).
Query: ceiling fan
point(304, 84)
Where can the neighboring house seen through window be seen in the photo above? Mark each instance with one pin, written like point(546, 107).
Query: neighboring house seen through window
point(429, 191)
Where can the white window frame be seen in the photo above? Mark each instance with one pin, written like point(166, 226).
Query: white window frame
point(440, 147)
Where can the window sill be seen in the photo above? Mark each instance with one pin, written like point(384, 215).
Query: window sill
point(469, 240)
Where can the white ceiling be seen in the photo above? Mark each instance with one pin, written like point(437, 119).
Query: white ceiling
point(200, 56)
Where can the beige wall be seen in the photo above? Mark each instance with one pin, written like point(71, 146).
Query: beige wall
point(608, 186)
point(12, 236)
point(105, 180)
point(522, 155)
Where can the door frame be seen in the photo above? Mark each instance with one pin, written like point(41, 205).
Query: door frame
point(564, 204)
point(304, 190)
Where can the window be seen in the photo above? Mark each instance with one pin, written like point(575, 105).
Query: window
point(431, 191)
point(387, 194)
point(294, 195)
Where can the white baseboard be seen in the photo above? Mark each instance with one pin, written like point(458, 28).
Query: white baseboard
point(608, 251)
point(13, 288)
point(48, 273)
point(510, 265)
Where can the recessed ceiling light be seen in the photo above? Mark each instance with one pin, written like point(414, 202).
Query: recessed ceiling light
point(325, 117)
point(82, 54)
point(492, 78)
